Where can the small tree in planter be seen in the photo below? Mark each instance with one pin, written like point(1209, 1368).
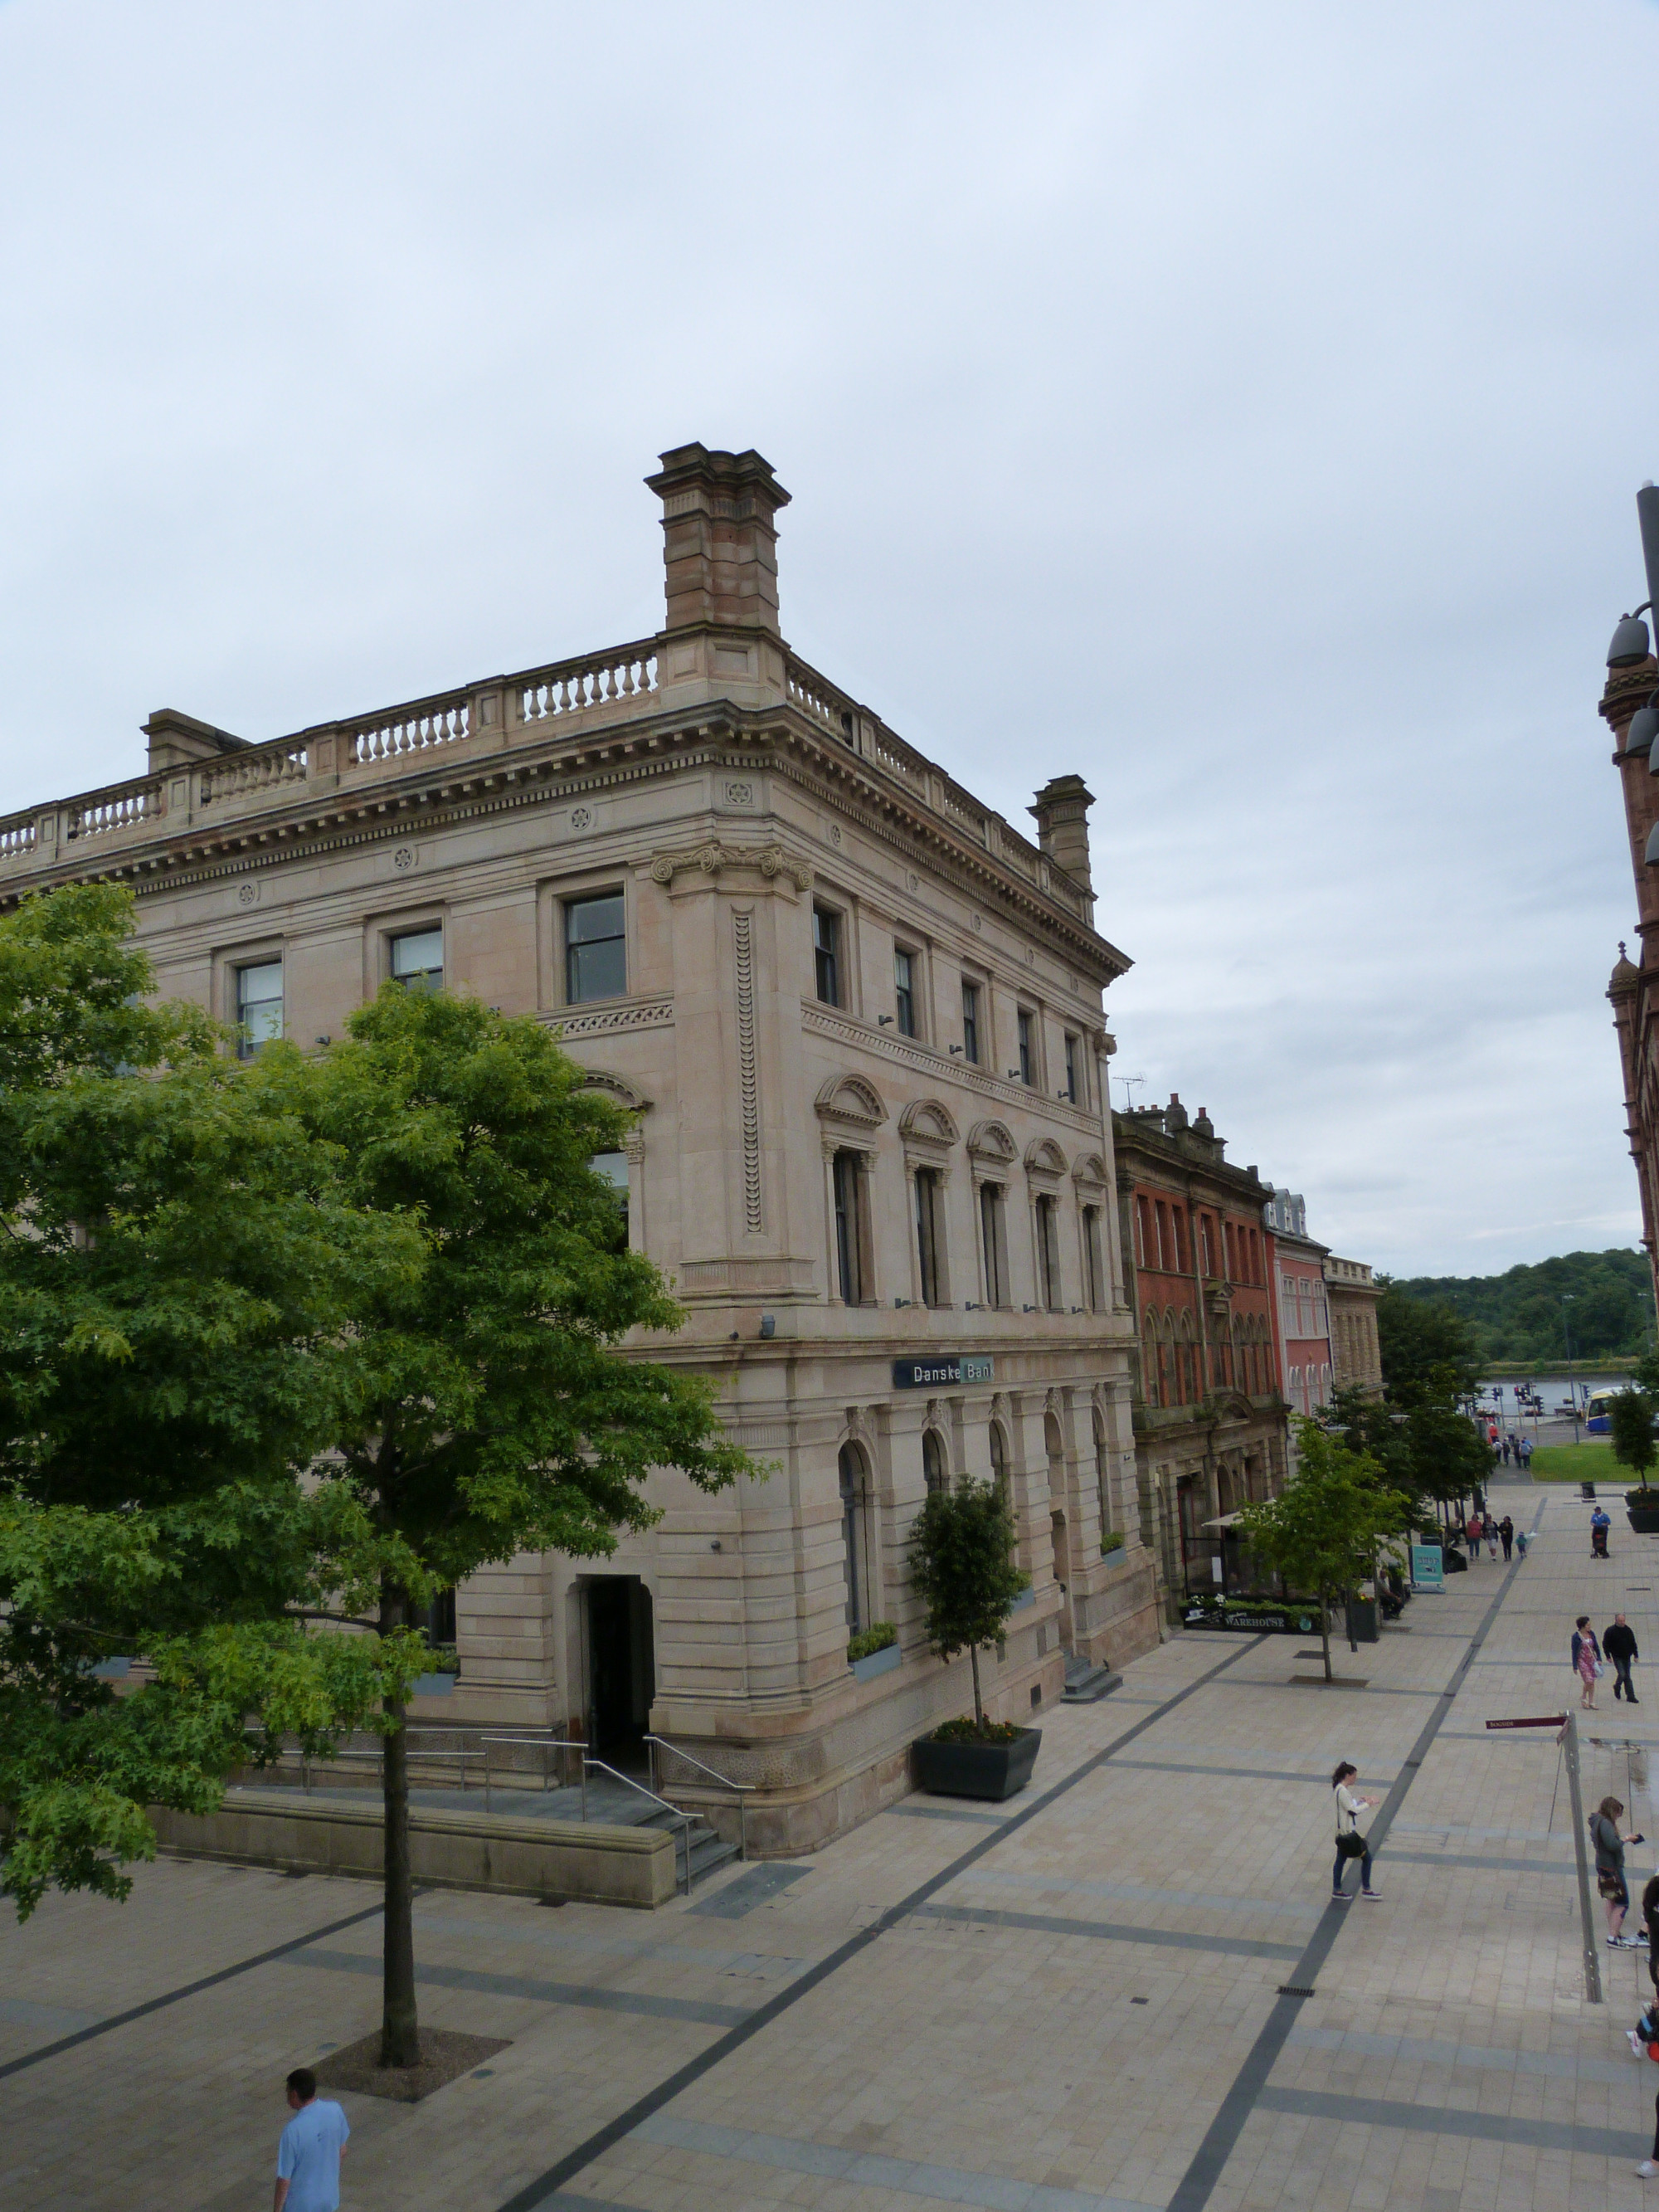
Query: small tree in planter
point(961, 1566)
point(1630, 1427)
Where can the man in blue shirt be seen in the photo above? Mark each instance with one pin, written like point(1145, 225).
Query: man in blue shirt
point(308, 2156)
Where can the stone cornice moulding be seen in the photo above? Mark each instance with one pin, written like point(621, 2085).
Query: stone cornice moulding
point(713, 857)
point(438, 790)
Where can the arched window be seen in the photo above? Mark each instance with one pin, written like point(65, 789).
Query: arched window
point(999, 1458)
point(1053, 1445)
point(934, 1472)
point(1102, 1482)
point(1149, 1373)
point(854, 1518)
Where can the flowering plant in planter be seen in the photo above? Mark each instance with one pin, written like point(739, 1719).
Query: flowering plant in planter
point(878, 1637)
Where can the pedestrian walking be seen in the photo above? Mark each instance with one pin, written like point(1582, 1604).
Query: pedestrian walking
point(1649, 2169)
point(312, 2146)
point(1586, 1661)
point(1522, 1538)
point(1601, 1522)
point(1526, 1454)
point(1610, 1871)
point(1489, 1530)
point(1472, 1530)
point(1619, 1645)
point(1506, 1534)
point(1349, 1844)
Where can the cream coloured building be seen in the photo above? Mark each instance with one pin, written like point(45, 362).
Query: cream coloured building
point(859, 1017)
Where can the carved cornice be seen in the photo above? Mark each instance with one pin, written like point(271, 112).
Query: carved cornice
point(714, 857)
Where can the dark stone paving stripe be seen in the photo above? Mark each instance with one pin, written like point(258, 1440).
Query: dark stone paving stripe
point(1440, 2120)
point(1109, 1931)
point(555, 1993)
point(1497, 1865)
point(1251, 1773)
point(536, 2193)
point(189, 1989)
point(1197, 2185)
point(754, 1885)
point(950, 1812)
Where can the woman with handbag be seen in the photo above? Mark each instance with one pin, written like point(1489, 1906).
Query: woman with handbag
point(1349, 1844)
point(1586, 1662)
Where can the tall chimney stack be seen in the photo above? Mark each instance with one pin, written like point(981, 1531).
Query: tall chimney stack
point(1063, 819)
point(720, 544)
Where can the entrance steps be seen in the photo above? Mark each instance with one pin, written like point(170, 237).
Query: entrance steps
point(1086, 1684)
point(708, 1851)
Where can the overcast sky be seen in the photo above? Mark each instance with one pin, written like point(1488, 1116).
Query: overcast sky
point(1244, 406)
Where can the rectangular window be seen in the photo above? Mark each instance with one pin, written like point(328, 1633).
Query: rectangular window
point(1091, 1254)
point(595, 952)
point(1073, 1065)
point(849, 1227)
point(970, 1022)
point(930, 1236)
point(904, 993)
point(417, 960)
point(1143, 1233)
point(993, 1237)
point(1027, 1048)
point(1047, 1254)
point(1162, 1214)
point(1207, 1242)
point(259, 1006)
point(1183, 1252)
point(826, 954)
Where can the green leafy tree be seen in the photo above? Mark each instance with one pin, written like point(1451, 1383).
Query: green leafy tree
point(962, 1567)
point(1428, 1351)
point(177, 1264)
point(285, 1346)
point(1323, 1531)
point(1630, 1427)
point(491, 1411)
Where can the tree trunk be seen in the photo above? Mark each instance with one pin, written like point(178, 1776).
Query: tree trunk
point(400, 2039)
point(1325, 1633)
point(979, 1709)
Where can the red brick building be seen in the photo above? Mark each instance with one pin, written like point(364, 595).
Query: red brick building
point(1209, 1413)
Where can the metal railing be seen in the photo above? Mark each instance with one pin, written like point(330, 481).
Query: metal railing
point(490, 1740)
point(740, 1790)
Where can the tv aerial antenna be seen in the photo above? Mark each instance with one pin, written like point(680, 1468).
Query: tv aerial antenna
point(1128, 1081)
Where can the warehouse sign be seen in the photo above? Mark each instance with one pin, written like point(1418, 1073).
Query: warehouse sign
point(941, 1372)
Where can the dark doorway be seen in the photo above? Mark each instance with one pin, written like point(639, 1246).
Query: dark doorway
point(620, 1668)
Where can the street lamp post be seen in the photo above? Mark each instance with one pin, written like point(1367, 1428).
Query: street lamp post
point(1573, 1387)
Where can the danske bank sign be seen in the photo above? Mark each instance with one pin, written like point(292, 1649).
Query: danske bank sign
point(937, 1373)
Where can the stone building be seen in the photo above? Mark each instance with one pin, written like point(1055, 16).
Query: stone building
point(857, 1018)
point(1209, 1417)
point(1352, 1294)
point(1299, 1301)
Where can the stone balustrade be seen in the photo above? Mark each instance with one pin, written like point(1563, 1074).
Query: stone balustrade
point(333, 755)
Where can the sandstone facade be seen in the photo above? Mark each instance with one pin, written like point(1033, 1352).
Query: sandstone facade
point(859, 1019)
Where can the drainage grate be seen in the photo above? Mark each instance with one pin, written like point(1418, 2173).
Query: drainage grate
point(1294, 1989)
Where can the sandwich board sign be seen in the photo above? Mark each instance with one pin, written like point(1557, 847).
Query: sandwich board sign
point(1428, 1567)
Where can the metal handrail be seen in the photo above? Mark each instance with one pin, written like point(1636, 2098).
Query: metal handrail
point(540, 1743)
point(684, 1819)
point(739, 1790)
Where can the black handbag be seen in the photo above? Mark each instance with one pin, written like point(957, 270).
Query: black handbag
point(1350, 1845)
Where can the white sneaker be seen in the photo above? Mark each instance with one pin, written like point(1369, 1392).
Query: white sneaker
point(1647, 2169)
point(1637, 2048)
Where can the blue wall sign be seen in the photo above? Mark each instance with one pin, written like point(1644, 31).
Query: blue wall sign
point(939, 1373)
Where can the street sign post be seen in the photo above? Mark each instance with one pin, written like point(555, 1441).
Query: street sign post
point(1568, 1724)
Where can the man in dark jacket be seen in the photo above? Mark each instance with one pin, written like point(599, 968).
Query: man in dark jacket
point(1619, 1645)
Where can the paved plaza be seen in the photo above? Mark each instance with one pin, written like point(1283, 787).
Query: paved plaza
point(1068, 2004)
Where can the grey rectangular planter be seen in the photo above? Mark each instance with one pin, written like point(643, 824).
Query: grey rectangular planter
point(878, 1662)
point(434, 1685)
point(1027, 1596)
point(995, 1771)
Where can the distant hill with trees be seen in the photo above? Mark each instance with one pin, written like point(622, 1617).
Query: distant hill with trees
point(1517, 1315)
